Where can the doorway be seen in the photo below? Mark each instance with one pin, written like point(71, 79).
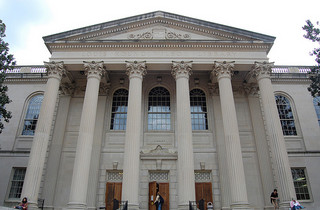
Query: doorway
point(163, 189)
point(113, 191)
point(204, 191)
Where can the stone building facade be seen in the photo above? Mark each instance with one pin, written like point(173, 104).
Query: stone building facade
point(160, 102)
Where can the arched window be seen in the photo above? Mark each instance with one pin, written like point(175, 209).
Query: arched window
point(286, 116)
point(32, 115)
point(198, 106)
point(159, 109)
point(119, 110)
point(316, 104)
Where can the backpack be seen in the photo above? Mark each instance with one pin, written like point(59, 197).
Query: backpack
point(161, 199)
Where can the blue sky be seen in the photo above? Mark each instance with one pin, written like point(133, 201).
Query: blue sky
point(29, 20)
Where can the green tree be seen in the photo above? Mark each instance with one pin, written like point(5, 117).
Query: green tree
point(6, 63)
point(313, 34)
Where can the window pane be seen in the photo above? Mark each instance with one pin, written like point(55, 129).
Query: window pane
point(198, 108)
point(32, 115)
point(316, 104)
point(119, 110)
point(286, 116)
point(17, 182)
point(300, 183)
point(159, 113)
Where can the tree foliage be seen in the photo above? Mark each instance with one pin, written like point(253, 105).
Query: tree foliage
point(6, 63)
point(313, 34)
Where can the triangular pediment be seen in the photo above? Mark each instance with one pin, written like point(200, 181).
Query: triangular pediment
point(158, 26)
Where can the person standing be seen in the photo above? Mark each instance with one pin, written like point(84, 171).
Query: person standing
point(275, 199)
point(159, 201)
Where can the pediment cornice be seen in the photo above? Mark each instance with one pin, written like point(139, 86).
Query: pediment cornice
point(130, 26)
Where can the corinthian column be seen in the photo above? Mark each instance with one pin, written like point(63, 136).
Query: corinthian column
point(41, 137)
point(181, 72)
point(80, 178)
point(261, 71)
point(131, 166)
point(223, 72)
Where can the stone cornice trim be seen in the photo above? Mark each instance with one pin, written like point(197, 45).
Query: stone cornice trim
point(58, 46)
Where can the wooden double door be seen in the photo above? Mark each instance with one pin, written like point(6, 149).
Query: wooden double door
point(204, 191)
point(163, 189)
point(113, 191)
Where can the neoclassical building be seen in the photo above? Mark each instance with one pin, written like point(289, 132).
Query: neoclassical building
point(160, 102)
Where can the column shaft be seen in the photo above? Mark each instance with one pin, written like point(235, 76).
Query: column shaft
point(80, 178)
point(131, 165)
point(186, 179)
point(41, 137)
point(239, 199)
point(277, 144)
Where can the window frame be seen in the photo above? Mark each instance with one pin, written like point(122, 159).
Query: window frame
point(159, 113)
point(111, 113)
point(10, 184)
point(293, 112)
point(25, 111)
point(317, 110)
point(307, 183)
point(205, 113)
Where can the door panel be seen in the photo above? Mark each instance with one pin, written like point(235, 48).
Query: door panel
point(164, 192)
point(204, 191)
point(113, 191)
point(152, 195)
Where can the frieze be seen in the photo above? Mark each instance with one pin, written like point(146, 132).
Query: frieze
point(159, 34)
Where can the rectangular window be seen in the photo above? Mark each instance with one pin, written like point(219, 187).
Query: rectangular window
point(17, 180)
point(300, 183)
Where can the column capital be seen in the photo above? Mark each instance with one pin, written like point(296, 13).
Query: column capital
point(136, 69)
point(55, 69)
point(261, 70)
point(94, 69)
point(222, 69)
point(181, 69)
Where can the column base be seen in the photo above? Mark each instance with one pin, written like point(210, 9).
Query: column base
point(183, 207)
point(235, 206)
point(32, 206)
point(133, 206)
point(76, 206)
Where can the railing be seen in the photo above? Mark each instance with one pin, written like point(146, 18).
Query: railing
point(25, 75)
point(200, 205)
point(40, 203)
point(118, 205)
point(289, 75)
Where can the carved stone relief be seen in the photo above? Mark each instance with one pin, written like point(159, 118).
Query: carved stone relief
point(159, 34)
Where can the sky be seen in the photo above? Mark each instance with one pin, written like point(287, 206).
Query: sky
point(28, 21)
